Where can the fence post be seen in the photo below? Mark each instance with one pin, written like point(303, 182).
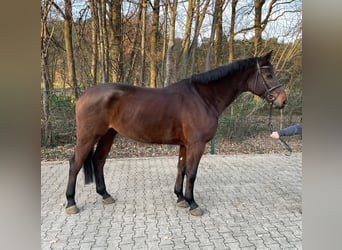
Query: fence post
point(212, 146)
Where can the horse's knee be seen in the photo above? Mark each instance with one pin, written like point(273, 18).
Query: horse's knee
point(72, 160)
point(72, 163)
point(74, 167)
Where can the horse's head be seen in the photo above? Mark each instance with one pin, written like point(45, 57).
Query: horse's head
point(266, 84)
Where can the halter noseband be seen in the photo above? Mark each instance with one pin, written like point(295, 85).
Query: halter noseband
point(268, 89)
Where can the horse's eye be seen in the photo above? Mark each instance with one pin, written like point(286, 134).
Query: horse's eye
point(269, 76)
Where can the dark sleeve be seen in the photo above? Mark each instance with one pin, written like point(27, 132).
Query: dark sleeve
point(292, 130)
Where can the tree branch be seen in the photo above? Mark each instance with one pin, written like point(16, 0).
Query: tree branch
point(282, 14)
point(288, 2)
point(59, 9)
point(244, 30)
point(269, 11)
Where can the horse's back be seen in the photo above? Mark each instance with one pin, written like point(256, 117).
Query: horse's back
point(109, 94)
point(103, 90)
point(145, 114)
point(99, 96)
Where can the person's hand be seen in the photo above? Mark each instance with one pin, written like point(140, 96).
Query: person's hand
point(275, 135)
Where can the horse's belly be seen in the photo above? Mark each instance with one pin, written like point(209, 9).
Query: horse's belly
point(150, 133)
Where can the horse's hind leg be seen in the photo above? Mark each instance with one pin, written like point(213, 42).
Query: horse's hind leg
point(181, 202)
point(101, 152)
point(82, 151)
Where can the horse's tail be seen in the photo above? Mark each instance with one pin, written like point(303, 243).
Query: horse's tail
point(89, 168)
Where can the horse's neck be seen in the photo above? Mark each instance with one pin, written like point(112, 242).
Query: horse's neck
point(220, 94)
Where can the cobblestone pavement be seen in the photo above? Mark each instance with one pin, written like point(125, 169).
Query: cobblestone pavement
point(249, 202)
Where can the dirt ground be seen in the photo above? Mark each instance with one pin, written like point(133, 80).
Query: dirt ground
point(123, 148)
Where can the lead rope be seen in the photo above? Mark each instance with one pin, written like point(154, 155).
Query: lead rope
point(270, 125)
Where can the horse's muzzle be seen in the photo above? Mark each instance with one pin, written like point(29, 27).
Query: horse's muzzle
point(280, 102)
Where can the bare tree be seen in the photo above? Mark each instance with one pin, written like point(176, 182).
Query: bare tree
point(231, 32)
point(104, 48)
point(68, 21)
point(260, 24)
point(199, 17)
point(143, 6)
point(208, 61)
point(218, 36)
point(169, 61)
point(45, 39)
point(94, 40)
point(164, 49)
point(116, 39)
point(186, 39)
point(154, 36)
point(132, 34)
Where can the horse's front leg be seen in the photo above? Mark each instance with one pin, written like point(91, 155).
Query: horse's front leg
point(181, 202)
point(193, 157)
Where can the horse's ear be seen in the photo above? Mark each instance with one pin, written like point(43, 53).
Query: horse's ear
point(266, 58)
point(269, 55)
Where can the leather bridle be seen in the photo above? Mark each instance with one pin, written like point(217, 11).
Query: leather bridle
point(266, 95)
point(268, 89)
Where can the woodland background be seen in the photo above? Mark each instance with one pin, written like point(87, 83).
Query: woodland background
point(154, 43)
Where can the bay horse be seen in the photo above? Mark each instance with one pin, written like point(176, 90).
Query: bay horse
point(185, 113)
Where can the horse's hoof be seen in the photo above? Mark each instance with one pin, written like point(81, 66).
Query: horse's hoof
point(108, 200)
point(183, 204)
point(72, 210)
point(196, 211)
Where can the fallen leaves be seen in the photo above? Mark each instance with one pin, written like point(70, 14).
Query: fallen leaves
point(125, 148)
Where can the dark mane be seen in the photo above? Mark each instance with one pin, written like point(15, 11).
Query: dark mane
point(223, 71)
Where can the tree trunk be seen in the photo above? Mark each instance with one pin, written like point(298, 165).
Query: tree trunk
point(132, 58)
point(116, 39)
point(257, 25)
point(198, 24)
point(69, 47)
point(218, 36)
point(171, 42)
point(104, 41)
point(186, 39)
point(94, 40)
point(163, 68)
point(45, 78)
point(231, 32)
point(208, 61)
point(154, 35)
point(143, 6)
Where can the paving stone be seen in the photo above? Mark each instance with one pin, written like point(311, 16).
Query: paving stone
point(249, 202)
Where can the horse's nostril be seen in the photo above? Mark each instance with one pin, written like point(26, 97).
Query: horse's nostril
point(285, 102)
